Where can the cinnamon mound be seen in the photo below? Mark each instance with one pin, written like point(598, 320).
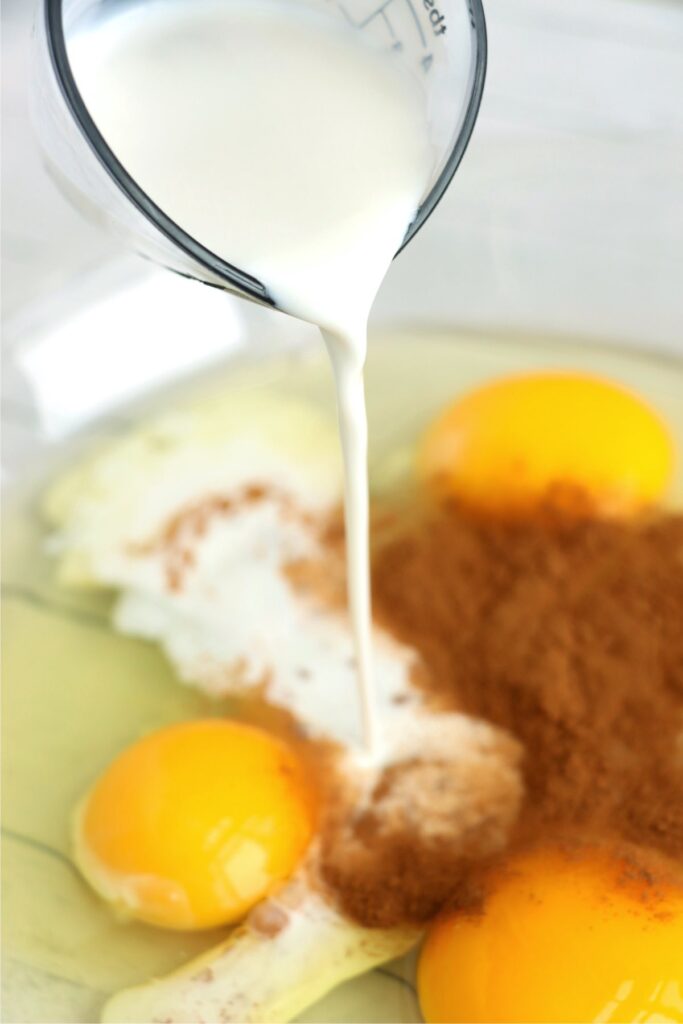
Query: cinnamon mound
point(568, 633)
point(401, 857)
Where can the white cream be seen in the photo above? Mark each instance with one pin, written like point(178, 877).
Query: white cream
point(234, 621)
point(287, 145)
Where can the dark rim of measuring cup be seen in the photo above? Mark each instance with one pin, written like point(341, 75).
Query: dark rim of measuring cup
point(233, 275)
point(477, 80)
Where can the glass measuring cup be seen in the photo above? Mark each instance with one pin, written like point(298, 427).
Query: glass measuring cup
point(443, 42)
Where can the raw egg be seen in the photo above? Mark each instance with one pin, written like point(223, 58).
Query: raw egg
point(559, 938)
point(192, 825)
point(565, 437)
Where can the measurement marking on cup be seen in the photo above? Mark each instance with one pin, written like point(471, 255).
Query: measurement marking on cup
point(417, 21)
point(365, 18)
point(398, 45)
point(364, 22)
point(438, 23)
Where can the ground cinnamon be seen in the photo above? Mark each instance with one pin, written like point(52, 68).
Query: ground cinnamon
point(568, 633)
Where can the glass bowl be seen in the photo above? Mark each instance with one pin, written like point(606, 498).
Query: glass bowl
point(75, 693)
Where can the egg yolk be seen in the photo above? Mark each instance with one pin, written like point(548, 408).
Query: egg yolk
point(522, 439)
point(192, 825)
point(559, 939)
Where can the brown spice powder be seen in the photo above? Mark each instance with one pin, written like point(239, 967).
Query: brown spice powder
point(410, 850)
point(568, 633)
point(177, 538)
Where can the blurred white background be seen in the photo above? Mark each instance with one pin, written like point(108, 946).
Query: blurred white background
point(565, 216)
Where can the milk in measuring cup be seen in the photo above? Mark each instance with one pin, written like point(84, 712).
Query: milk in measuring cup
point(288, 146)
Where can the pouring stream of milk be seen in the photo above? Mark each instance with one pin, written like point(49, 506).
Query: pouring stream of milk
point(290, 147)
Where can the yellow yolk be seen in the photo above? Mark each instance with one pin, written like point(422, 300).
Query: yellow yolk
point(195, 823)
point(559, 939)
point(521, 439)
